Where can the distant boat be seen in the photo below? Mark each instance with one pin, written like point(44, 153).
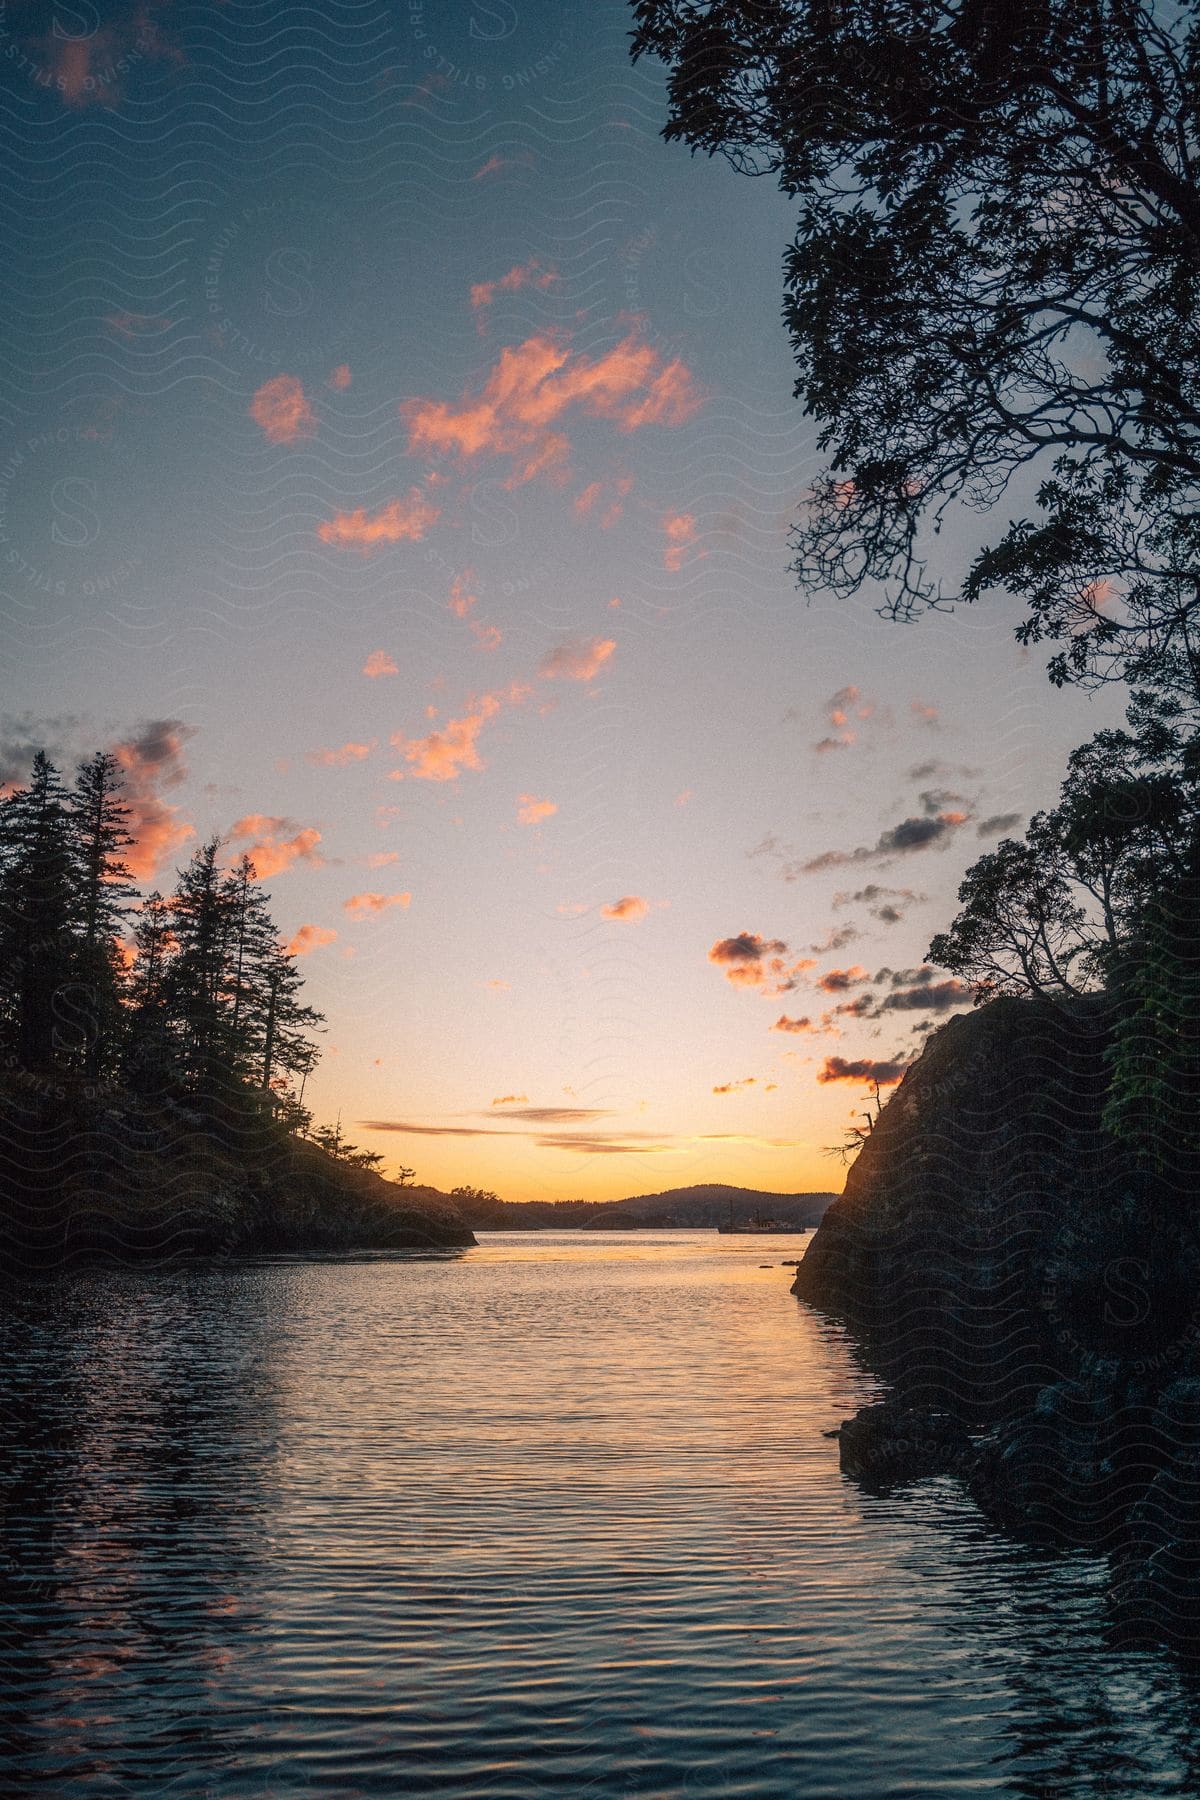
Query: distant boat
point(757, 1226)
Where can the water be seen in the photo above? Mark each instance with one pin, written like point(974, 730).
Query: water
point(552, 1517)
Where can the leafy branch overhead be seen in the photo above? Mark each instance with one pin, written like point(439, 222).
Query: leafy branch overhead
point(994, 276)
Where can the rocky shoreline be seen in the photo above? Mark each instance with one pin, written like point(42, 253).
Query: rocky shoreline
point(1034, 1303)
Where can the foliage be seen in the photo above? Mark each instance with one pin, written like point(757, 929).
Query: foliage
point(994, 276)
point(193, 992)
point(1061, 911)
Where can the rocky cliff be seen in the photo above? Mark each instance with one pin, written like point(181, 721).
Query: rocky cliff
point(1033, 1299)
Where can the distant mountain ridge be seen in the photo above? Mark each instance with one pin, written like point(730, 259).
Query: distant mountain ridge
point(703, 1205)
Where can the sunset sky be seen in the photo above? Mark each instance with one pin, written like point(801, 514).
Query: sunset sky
point(397, 455)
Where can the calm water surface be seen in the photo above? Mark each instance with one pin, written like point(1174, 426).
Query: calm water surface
point(555, 1516)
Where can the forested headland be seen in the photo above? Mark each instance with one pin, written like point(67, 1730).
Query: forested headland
point(154, 1051)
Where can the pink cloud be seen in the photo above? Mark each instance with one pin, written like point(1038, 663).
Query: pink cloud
point(309, 938)
point(531, 388)
point(400, 521)
point(380, 859)
point(749, 960)
point(379, 663)
point(269, 849)
point(495, 165)
point(783, 1023)
point(339, 759)
point(443, 755)
point(133, 325)
point(578, 660)
point(369, 906)
point(592, 500)
point(150, 763)
point(340, 378)
point(680, 532)
point(530, 274)
point(531, 811)
point(630, 908)
point(487, 637)
point(280, 408)
point(461, 598)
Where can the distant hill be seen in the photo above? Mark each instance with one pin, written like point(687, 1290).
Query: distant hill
point(705, 1204)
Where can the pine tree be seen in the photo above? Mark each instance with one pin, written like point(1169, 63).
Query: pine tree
point(39, 965)
point(195, 986)
point(100, 831)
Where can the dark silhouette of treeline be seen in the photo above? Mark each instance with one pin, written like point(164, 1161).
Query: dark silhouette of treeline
point(191, 993)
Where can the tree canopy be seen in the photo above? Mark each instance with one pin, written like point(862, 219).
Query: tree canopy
point(992, 289)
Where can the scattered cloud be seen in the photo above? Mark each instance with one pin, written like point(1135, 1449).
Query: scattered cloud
point(531, 811)
point(734, 1087)
point(443, 755)
point(840, 981)
point(998, 824)
point(461, 598)
point(498, 987)
point(679, 529)
point(916, 990)
point(797, 1026)
point(379, 859)
point(496, 165)
point(511, 1100)
point(134, 325)
point(400, 521)
point(532, 388)
point(844, 710)
point(606, 501)
point(579, 660)
point(309, 938)
point(281, 411)
point(749, 960)
point(864, 1071)
point(340, 378)
point(369, 906)
point(379, 663)
point(909, 835)
point(273, 843)
point(523, 275)
point(886, 904)
point(927, 714)
point(341, 758)
point(630, 908)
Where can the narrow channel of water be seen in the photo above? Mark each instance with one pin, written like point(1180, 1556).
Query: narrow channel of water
point(554, 1516)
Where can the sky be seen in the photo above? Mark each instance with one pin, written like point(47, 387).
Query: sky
point(397, 454)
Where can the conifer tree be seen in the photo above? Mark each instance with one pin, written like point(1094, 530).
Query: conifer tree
point(38, 952)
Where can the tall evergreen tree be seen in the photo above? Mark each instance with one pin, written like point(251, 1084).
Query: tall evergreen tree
point(39, 965)
point(101, 838)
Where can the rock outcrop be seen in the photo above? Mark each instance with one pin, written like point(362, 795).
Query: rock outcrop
point(1001, 1262)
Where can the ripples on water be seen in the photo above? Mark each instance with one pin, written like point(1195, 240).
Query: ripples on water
point(555, 1516)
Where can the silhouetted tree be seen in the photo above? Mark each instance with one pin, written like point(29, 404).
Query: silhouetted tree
point(99, 827)
point(1061, 912)
point(39, 962)
point(996, 272)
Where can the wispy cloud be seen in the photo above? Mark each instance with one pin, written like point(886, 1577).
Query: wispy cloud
point(581, 659)
point(369, 906)
point(531, 390)
point(401, 521)
point(274, 843)
point(630, 908)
